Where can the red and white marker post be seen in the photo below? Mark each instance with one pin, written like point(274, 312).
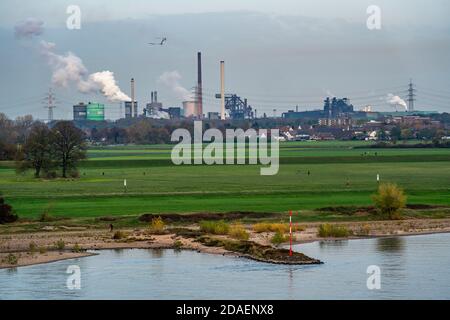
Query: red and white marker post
point(290, 233)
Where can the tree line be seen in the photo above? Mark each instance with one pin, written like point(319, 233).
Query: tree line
point(35, 146)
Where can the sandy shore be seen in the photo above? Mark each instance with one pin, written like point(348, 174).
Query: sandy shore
point(40, 247)
point(46, 251)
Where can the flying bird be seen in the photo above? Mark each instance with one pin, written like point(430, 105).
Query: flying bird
point(163, 40)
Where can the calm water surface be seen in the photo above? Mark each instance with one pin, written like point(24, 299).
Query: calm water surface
point(411, 267)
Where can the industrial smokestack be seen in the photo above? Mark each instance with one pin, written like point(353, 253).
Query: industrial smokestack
point(156, 96)
point(152, 96)
point(133, 107)
point(199, 85)
point(222, 90)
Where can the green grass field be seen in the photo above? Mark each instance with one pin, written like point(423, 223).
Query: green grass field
point(340, 175)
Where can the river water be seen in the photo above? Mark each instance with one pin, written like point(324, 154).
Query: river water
point(412, 267)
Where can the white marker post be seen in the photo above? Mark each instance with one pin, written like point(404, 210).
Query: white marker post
point(125, 185)
point(378, 178)
point(290, 233)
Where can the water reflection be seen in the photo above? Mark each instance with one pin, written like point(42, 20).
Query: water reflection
point(156, 253)
point(393, 259)
point(411, 268)
point(11, 270)
point(391, 245)
point(291, 286)
point(118, 252)
point(326, 244)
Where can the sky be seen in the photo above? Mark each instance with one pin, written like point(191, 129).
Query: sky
point(278, 54)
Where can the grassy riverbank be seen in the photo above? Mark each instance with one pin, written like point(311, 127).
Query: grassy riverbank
point(339, 175)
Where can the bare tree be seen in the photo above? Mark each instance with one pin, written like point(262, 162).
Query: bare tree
point(68, 145)
point(37, 153)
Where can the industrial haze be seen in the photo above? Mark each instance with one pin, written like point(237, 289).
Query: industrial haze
point(273, 60)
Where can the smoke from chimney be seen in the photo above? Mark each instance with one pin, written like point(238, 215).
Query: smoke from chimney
point(171, 79)
point(396, 101)
point(29, 28)
point(69, 68)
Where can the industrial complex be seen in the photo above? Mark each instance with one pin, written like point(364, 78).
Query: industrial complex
point(336, 111)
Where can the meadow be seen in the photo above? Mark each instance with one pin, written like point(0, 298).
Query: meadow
point(339, 175)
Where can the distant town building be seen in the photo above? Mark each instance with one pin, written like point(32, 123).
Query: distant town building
point(323, 136)
point(336, 122)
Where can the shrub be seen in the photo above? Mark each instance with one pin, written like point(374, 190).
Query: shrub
point(46, 214)
point(157, 226)
point(330, 230)
point(33, 247)
point(237, 231)
point(364, 230)
point(60, 244)
point(389, 200)
point(6, 212)
point(214, 227)
point(118, 235)
point(270, 227)
point(275, 227)
point(42, 250)
point(76, 248)
point(45, 217)
point(177, 244)
point(11, 259)
point(279, 238)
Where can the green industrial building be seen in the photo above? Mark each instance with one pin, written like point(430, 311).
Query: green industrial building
point(95, 112)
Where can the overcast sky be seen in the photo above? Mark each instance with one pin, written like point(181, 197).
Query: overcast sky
point(278, 53)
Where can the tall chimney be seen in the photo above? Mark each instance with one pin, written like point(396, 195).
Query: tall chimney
point(156, 96)
point(133, 107)
point(152, 96)
point(199, 85)
point(222, 90)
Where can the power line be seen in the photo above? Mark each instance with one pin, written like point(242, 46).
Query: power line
point(50, 103)
point(411, 96)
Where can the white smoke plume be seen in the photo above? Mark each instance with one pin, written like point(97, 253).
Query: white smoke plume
point(171, 79)
point(66, 68)
point(396, 101)
point(160, 115)
point(69, 68)
point(105, 83)
point(29, 28)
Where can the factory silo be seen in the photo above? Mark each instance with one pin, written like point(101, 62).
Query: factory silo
point(190, 109)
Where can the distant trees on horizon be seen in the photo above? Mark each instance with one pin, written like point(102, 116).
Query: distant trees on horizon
point(26, 136)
